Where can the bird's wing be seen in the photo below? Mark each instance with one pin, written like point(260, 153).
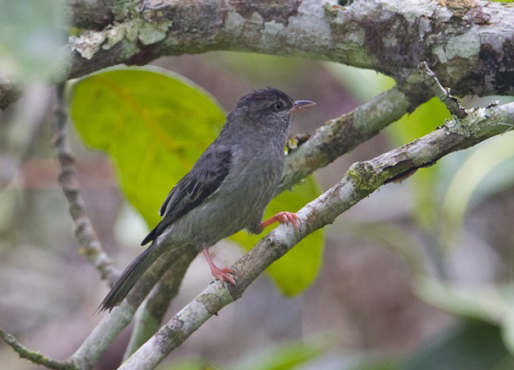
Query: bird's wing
point(203, 180)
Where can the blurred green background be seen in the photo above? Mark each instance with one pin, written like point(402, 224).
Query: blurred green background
point(417, 276)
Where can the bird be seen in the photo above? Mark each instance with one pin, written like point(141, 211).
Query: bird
point(227, 189)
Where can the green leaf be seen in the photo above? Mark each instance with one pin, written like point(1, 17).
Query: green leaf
point(298, 268)
point(154, 125)
point(31, 38)
point(420, 122)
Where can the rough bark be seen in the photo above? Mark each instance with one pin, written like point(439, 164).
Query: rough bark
point(468, 44)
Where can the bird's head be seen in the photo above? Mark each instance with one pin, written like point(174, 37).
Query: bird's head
point(268, 108)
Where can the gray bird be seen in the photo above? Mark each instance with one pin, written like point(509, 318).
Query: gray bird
point(227, 190)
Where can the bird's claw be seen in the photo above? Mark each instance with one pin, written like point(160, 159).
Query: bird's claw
point(287, 217)
point(282, 218)
point(222, 274)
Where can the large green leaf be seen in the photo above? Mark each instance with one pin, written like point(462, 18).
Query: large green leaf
point(154, 125)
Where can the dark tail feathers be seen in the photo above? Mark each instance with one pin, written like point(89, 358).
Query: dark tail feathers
point(128, 279)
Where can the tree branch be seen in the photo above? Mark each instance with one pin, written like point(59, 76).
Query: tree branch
point(90, 14)
point(84, 231)
point(34, 356)
point(152, 311)
point(341, 135)
point(362, 179)
point(442, 94)
point(88, 354)
point(469, 47)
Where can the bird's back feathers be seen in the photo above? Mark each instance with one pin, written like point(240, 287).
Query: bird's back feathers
point(194, 187)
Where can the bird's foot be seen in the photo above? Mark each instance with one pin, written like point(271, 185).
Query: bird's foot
point(282, 218)
point(222, 274)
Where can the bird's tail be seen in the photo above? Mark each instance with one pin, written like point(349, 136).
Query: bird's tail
point(129, 278)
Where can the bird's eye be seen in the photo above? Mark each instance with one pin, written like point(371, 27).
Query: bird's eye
point(278, 106)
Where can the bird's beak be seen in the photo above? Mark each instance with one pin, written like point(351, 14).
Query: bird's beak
point(301, 105)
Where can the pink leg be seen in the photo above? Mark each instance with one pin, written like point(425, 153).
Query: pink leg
point(220, 274)
point(283, 218)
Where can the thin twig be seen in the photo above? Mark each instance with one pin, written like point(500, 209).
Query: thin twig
point(34, 356)
point(452, 104)
point(84, 231)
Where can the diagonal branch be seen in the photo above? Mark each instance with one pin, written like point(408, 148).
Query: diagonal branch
point(341, 135)
point(172, 262)
point(362, 179)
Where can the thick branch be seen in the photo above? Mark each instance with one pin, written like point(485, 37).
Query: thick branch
point(469, 48)
point(468, 45)
point(90, 14)
point(362, 179)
